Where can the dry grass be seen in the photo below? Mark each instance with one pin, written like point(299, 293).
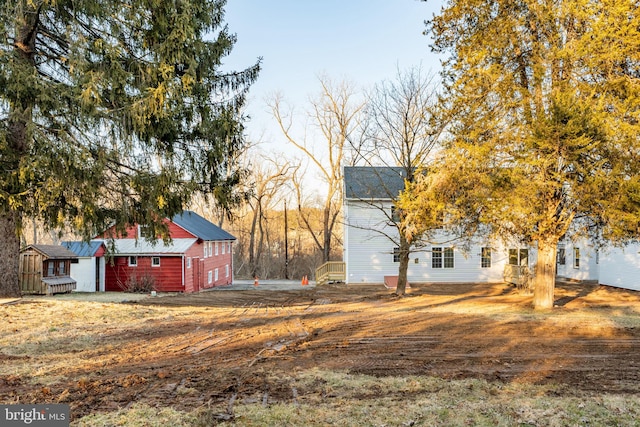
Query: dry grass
point(42, 338)
point(355, 400)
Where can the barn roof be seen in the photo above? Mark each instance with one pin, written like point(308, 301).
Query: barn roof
point(144, 247)
point(53, 251)
point(200, 227)
point(373, 182)
point(84, 249)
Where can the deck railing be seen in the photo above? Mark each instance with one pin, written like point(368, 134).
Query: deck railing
point(332, 271)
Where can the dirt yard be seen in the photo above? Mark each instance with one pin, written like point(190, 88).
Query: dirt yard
point(188, 350)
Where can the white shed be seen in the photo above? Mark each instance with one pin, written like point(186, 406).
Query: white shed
point(89, 270)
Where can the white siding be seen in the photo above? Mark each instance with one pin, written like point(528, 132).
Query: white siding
point(589, 268)
point(620, 267)
point(84, 273)
point(368, 253)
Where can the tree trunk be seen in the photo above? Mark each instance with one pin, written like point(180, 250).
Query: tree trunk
point(326, 250)
point(404, 265)
point(18, 139)
point(545, 278)
point(9, 255)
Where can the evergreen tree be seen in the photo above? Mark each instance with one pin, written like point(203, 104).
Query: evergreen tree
point(546, 138)
point(113, 111)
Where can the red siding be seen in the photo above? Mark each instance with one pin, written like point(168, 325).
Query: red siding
point(197, 277)
point(175, 231)
point(100, 252)
point(167, 277)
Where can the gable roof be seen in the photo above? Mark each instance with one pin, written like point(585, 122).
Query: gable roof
point(84, 249)
point(200, 227)
point(53, 251)
point(373, 182)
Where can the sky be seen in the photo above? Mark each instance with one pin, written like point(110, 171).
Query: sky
point(363, 41)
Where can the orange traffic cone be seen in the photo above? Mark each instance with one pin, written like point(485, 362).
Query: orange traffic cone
point(302, 281)
point(306, 280)
point(255, 282)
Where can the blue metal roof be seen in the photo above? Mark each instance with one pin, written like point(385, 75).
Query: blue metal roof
point(200, 227)
point(83, 249)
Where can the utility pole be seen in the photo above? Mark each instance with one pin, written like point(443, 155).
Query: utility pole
point(286, 243)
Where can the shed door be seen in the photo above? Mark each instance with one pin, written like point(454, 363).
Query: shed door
point(97, 274)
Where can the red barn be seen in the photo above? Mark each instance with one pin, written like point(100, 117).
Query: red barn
point(199, 256)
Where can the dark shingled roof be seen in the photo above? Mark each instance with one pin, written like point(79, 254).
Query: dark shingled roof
point(365, 182)
point(200, 227)
point(83, 249)
point(53, 251)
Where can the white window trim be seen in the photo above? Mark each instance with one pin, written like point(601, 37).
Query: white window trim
point(206, 248)
point(188, 262)
point(129, 258)
point(215, 275)
point(153, 264)
point(442, 250)
point(445, 257)
point(210, 276)
point(576, 258)
point(483, 251)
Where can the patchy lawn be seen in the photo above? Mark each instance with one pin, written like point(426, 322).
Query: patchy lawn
point(471, 354)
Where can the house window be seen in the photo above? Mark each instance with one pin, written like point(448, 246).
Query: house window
point(396, 254)
point(210, 276)
point(210, 248)
point(485, 258)
point(51, 269)
point(155, 261)
point(519, 257)
point(562, 255)
point(216, 245)
point(62, 271)
point(145, 232)
point(436, 258)
point(576, 257)
point(133, 261)
point(216, 275)
point(229, 247)
point(223, 244)
point(206, 248)
point(395, 214)
point(188, 262)
point(448, 257)
point(226, 270)
point(442, 258)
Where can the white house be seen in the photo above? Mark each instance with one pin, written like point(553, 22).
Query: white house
point(370, 252)
point(90, 268)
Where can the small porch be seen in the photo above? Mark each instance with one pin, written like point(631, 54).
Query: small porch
point(332, 271)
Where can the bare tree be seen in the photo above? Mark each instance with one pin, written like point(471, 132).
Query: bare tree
point(269, 177)
point(402, 131)
point(336, 114)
